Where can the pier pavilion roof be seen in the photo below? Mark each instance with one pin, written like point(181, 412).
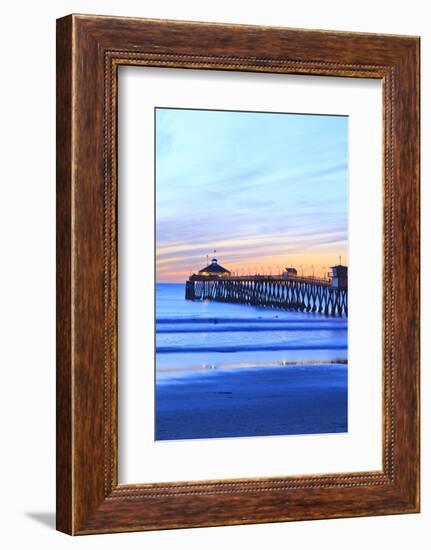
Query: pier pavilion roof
point(214, 268)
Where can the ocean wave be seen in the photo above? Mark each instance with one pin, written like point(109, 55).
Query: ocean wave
point(248, 347)
point(221, 320)
point(250, 328)
point(173, 375)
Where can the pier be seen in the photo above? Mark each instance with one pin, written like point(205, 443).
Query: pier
point(287, 291)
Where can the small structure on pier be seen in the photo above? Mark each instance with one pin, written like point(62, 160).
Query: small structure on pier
point(290, 272)
point(339, 276)
point(214, 269)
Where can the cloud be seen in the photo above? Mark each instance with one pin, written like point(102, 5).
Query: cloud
point(248, 184)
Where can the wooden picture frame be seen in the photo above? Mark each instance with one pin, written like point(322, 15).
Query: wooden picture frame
point(89, 51)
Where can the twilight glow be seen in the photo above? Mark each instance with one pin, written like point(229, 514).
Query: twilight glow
point(265, 190)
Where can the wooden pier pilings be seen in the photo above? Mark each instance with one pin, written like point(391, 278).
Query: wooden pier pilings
point(296, 293)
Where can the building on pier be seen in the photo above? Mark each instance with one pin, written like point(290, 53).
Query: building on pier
point(214, 269)
point(290, 272)
point(339, 276)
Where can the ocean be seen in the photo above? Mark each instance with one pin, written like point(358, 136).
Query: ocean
point(233, 370)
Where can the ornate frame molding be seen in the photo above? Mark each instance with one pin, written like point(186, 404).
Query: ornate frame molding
point(90, 50)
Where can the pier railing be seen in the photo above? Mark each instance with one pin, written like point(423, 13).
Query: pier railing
point(292, 293)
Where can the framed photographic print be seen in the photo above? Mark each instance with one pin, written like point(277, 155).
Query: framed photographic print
point(237, 274)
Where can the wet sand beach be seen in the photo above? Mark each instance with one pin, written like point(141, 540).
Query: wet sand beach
point(242, 402)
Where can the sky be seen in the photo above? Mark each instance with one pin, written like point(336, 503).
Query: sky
point(265, 190)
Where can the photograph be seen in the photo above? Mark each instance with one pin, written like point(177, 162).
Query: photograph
point(251, 271)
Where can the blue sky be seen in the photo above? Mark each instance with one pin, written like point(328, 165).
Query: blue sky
point(265, 190)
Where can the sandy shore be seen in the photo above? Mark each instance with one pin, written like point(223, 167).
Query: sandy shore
point(253, 402)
